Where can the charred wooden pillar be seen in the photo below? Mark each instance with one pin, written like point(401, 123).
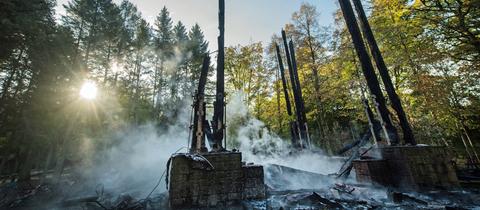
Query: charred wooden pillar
point(295, 130)
point(198, 137)
point(218, 116)
point(293, 125)
point(383, 70)
point(301, 115)
point(284, 81)
point(371, 120)
point(290, 67)
point(299, 127)
point(367, 68)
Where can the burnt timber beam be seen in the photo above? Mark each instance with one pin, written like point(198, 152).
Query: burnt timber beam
point(294, 126)
point(290, 66)
point(367, 68)
point(383, 70)
point(218, 116)
point(301, 116)
point(284, 81)
point(198, 137)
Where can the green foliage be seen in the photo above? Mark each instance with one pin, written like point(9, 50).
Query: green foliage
point(143, 73)
point(425, 47)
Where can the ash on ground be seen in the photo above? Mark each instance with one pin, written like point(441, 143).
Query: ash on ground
point(287, 188)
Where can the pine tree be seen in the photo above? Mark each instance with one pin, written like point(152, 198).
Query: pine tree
point(197, 47)
point(141, 41)
point(180, 76)
point(164, 50)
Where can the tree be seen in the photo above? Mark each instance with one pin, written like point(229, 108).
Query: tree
point(245, 72)
point(43, 64)
point(181, 75)
point(455, 23)
point(197, 47)
point(312, 40)
point(38, 78)
point(163, 41)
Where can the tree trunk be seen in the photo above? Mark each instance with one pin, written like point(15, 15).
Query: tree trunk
point(8, 82)
point(383, 70)
point(48, 161)
point(105, 75)
point(26, 151)
point(60, 164)
point(367, 68)
point(279, 110)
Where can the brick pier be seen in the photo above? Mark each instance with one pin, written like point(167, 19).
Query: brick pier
point(408, 167)
point(229, 182)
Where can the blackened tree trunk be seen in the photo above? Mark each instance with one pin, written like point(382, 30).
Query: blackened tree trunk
point(277, 92)
point(294, 129)
point(301, 115)
point(284, 80)
point(367, 68)
point(198, 134)
point(293, 125)
point(218, 121)
point(383, 70)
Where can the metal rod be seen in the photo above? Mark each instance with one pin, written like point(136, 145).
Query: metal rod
point(225, 127)
point(371, 119)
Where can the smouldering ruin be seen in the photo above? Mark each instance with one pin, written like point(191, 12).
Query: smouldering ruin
point(383, 169)
point(204, 178)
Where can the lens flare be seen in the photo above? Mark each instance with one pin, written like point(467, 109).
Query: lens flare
point(88, 90)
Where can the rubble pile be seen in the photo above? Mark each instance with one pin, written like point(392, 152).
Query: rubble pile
point(334, 194)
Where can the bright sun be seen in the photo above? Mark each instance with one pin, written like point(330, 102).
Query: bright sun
point(88, 90)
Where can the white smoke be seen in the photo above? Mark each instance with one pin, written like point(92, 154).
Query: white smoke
point(260, 146)
point(138, 157)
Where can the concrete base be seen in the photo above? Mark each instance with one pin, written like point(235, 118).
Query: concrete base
point(408, 167)
point(227, 183)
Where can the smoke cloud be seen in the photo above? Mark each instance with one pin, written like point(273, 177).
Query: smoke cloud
point(138, 157)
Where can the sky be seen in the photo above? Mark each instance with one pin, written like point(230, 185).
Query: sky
point(246, 21)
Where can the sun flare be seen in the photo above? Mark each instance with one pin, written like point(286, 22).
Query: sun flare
point(88, 90)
